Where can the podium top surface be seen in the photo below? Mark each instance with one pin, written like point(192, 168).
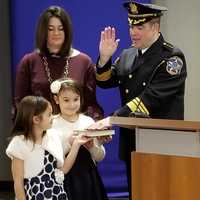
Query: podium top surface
point(148, 123)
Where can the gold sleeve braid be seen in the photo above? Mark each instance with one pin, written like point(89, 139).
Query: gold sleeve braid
point(137, 105)
point(104, 76)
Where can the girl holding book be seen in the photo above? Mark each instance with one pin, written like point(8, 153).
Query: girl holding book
point(82, 181)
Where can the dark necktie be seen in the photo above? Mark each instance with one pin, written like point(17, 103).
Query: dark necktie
point(139, 53)
point(137, 60)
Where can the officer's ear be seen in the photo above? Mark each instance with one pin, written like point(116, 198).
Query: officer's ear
point(155, 23)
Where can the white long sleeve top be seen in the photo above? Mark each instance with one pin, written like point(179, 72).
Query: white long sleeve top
point(66, 128)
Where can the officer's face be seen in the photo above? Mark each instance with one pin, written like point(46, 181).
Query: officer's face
point(144, 35)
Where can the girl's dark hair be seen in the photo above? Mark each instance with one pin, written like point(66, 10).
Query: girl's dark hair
point(42, 30)
point(68, 83)
point(29, 107)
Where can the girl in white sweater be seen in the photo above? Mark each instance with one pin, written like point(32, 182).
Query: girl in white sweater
point(82, 181)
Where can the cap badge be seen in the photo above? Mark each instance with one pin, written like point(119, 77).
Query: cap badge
point(133, 8)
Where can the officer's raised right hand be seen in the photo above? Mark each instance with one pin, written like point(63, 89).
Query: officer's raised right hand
point(108, 45)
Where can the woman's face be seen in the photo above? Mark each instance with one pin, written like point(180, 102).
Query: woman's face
point(56, 35)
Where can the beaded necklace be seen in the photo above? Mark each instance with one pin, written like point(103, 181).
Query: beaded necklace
point(47, 70)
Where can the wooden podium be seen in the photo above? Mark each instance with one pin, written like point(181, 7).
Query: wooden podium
point(166, 164)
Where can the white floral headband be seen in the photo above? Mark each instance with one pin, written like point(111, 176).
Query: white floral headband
point(56, 85)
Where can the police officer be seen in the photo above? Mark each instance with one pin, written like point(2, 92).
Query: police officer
point(150, 74)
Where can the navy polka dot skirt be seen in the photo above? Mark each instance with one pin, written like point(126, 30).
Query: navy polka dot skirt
point(44, 186)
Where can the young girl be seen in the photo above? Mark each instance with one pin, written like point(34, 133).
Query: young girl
point(37, 154)
point(83, 180)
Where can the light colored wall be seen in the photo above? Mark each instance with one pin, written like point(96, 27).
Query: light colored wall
point(180, 26)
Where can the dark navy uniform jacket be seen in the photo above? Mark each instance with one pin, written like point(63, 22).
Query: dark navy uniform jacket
point(154, 83)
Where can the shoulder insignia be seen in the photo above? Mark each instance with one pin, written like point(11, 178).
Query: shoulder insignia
point(174, 65)
point(168, 45)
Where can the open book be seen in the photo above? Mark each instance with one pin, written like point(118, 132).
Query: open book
point(95, 133)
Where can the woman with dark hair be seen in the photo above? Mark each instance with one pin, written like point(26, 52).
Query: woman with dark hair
point(55, 58)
